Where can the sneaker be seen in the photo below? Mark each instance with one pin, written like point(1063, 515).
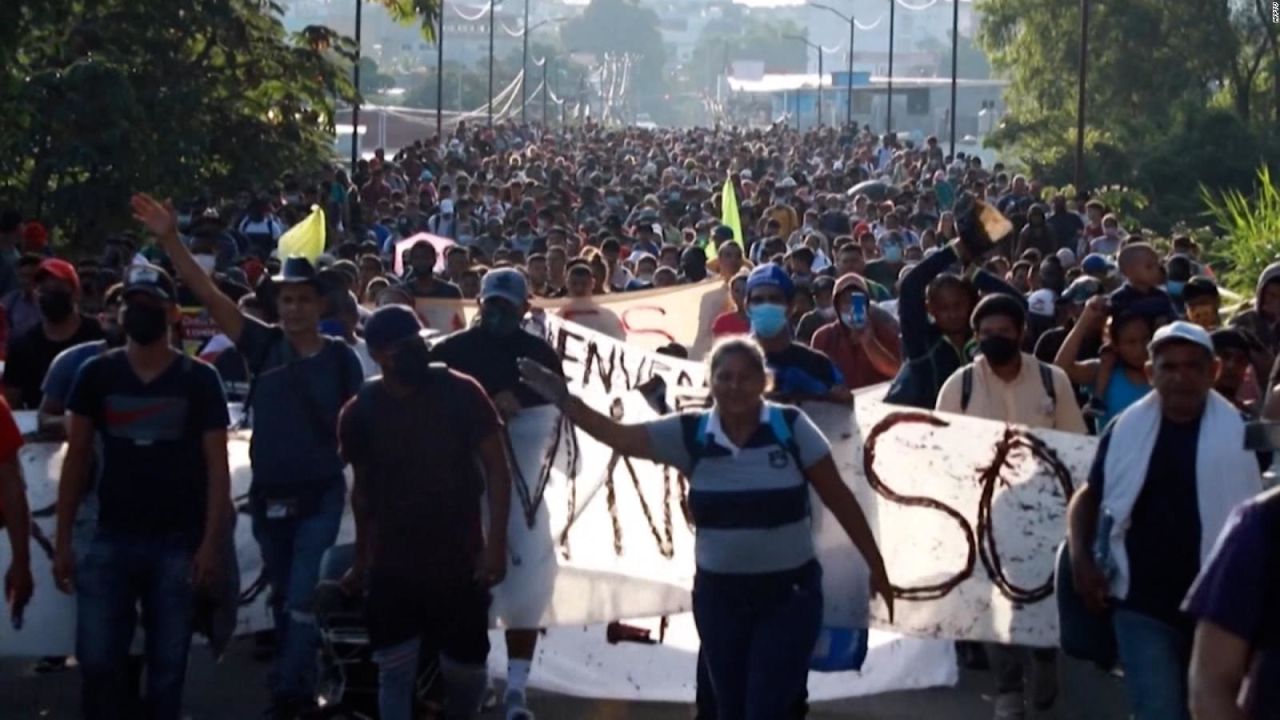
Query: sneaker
point(1010, 706)
point(55, 663)
point(516, 708)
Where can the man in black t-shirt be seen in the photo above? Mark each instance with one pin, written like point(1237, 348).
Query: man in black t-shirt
point(164, 499)
point(416, 438)
point(61, 326)
point(420, 278)
point(489, 353)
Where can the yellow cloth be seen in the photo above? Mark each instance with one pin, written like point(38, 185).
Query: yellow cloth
point(306, 239)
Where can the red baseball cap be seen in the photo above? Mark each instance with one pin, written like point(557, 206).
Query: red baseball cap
point(59, 270)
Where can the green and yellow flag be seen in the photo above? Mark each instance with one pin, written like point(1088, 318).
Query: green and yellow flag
point(306, 239)
point(728, 217)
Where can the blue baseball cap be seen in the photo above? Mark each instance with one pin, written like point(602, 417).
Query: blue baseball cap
point(506, 283)
point(1095, 264)
point(389, 325)
point(771, 274)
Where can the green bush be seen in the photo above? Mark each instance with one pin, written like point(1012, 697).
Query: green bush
point(1251, 230)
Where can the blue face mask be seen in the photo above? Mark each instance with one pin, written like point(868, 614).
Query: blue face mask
point(767, 320)
point(893, 253)
point(1175, 287)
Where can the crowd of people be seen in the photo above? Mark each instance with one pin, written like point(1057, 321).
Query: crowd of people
point(857, 261)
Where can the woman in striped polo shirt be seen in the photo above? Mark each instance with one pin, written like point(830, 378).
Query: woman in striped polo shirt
point(757, 597)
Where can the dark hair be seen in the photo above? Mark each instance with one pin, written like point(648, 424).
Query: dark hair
point(30, 260)
point(999, 304)
point(1123, 319)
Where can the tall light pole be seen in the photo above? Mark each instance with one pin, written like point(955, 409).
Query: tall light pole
point(440, 76)
point(888, 120)
point(492, 8)
point(524, 62)
point(546, 91)
point(955, 64)
point(820, 50)
point(848, 82)
point(1080, 100)
point(524, 55)
point(355, 107)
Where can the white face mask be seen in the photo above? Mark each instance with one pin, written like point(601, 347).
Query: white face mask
point(206, 263)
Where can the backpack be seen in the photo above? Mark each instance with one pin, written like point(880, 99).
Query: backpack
point(966, 385)
point(778, 424)
point(838, 649)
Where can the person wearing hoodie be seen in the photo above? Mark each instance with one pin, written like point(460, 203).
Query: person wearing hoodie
point(863, 344)
point(1260, 321)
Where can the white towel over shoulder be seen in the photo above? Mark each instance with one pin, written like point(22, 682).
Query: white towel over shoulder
point(1226, 473)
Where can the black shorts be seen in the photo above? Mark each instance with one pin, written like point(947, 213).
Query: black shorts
point(451, 618)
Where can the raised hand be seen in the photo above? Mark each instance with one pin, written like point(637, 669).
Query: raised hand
point(161, 220)
point(549, 385)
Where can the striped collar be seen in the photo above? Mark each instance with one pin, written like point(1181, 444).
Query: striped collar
point(715, 431)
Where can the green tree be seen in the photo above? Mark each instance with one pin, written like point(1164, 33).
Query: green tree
point(373, 80)
point(182, 97)
point(740, 36)
point(621, 26)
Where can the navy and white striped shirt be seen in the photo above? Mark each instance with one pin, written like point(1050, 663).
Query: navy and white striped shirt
point(750, 505)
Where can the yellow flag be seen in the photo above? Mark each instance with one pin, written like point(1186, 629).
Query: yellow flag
point(728, 218)
point(306, 239)
point(729, 212)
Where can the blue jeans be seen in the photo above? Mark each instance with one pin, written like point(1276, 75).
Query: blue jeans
point(758, 634)
point(113, 577)
point(1156, 657)
point(291, 553)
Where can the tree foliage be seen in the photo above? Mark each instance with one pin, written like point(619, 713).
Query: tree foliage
point(181, 97)
point(621, 26)
point(1170, 94)
point(739, 36)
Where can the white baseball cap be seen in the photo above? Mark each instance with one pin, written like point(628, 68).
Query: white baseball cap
point(1042, 302)
point(1181, 331)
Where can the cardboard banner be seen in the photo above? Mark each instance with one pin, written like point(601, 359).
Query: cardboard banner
point(967, 512)
point(650, 318)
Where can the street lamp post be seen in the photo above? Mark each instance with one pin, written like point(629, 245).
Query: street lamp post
point(440, 76)
point(1080, 100)
point(546, 91)
point(955, 64)
point(492, 8)
point(820, 50)
point(848, 83)
point(524, 63)
point(888, 120)
point(355, 107)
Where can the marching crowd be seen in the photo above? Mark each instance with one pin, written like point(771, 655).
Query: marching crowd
point(850, 260)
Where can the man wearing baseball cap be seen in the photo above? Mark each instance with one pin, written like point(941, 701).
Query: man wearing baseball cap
point(163, 489)
point(61, 326)
point(300, 379)
point(417, 438)
point(1168, 472)
point(489, 352)
point(799, 373)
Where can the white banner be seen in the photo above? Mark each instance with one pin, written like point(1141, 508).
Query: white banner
point(967, 512)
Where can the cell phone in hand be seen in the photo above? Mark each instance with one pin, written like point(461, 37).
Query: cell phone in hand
point(858, 310)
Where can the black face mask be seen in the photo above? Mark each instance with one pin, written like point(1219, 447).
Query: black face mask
point(145, 324)
point(998, 350)
point(56, 305)
point(499, 321)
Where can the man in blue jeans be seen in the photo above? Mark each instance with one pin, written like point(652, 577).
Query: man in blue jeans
point(425, 442)
point(1153, 511)
point(300, 380)
point(164, 505)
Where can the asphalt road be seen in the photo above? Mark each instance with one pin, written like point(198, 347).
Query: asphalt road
point(234, 690)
